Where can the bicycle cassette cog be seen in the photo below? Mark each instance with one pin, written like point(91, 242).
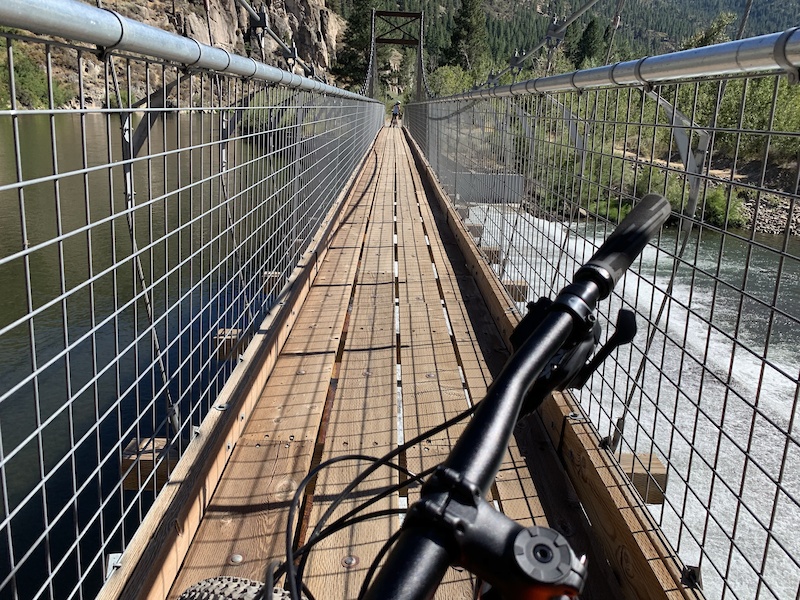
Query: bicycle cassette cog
point(232, 588)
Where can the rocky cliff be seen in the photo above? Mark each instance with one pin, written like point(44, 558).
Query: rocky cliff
point(307, 23)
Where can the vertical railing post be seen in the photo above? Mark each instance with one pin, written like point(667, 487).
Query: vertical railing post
point(296, 200)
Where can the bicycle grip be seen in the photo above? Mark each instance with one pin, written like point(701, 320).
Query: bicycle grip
point(617, 253)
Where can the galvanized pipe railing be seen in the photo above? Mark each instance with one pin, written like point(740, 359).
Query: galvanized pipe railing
point(701, 410)
point(776, 51)
point(157, 195)
point(111, 31)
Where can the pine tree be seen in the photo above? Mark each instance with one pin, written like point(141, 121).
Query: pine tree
point(353, 58)
point(469, 47)
point(572, 38)
point(716, 33)
point(590, 44)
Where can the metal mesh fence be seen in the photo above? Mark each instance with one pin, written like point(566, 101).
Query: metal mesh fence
point(151, 217)
point(705, 400)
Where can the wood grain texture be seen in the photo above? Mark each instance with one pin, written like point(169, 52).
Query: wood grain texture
point(247, 516)
point(363, 417)
point(289, 403)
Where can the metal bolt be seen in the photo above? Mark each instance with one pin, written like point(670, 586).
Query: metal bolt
point(235, 559)
point(542, 553)
point(348, 562)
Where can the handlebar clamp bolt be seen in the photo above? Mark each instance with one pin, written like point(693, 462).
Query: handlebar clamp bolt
point(543, 554)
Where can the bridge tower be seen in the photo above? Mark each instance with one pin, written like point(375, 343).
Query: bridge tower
point(397, 28)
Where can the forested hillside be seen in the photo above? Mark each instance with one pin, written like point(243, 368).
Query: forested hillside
point(647, 26)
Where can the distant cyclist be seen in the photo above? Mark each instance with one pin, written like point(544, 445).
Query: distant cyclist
point(395, 113)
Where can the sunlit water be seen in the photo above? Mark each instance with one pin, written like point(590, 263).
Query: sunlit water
point(720, 365)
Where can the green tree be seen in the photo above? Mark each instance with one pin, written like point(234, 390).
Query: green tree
point(31, 83)
point(469, 46)
point(716, 33)
point(591, 43)
point(571, 39)
point(449, 80)
point(353, 58)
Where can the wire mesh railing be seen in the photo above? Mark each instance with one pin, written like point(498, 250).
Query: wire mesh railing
point(705, 400)
point(152, 216)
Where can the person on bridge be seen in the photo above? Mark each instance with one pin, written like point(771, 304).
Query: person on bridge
point(395, 113)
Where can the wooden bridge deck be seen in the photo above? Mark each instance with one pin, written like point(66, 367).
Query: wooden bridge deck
point(393, 338)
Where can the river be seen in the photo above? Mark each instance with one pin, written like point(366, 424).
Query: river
point(718, 395)
point(69, 424)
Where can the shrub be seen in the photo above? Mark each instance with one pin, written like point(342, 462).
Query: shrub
point(611, 210)
point(718, 211)
point(31, 83)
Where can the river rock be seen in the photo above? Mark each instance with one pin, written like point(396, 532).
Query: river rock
point(772, 215)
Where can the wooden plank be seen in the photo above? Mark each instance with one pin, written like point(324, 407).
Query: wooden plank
point(291, 403)
point(339, 260)
point(319, 325)
point(363, 418)
point(243, 527)
point(362, 421)
point(432, 390)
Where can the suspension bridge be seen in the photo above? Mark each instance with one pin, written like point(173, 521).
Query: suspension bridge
point(231, 274)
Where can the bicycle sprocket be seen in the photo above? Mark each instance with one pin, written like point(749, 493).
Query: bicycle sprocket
point(231, 588)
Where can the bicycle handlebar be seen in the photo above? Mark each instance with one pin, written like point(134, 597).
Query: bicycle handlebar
point(432, 538)
point(618, 252)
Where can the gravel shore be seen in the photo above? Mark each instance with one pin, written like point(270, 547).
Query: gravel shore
point(772, 216)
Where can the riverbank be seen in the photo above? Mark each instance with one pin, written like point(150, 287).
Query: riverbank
point(772, 216)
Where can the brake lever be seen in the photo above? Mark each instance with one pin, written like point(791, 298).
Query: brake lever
point(570, 367)
point(624, 332)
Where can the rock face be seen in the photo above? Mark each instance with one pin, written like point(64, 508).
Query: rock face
point(223, 23)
